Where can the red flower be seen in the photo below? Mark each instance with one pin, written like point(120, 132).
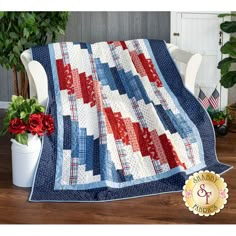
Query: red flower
point(17, 126)
point(48, 124)
point(220, 122)
point(35, 124)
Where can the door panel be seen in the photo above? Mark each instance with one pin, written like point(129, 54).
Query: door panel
point(199, 32)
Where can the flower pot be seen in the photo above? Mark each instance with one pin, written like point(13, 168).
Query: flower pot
point(24, 160)
point(221, 130)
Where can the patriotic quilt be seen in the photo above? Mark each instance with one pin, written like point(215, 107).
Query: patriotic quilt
point(125, 125)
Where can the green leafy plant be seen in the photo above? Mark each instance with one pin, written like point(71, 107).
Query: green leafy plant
point(228, 76)
point(25, 116)
point(22, 30)
point(218, 117)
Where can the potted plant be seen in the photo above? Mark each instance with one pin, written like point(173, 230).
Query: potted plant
point(219, 119)
point(227, 65)
point(26, 122)
point(22, 30)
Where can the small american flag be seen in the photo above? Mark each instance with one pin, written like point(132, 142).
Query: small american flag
point(202, 98)
point(214, 99)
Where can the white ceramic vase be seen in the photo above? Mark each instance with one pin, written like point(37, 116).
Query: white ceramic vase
point(24, 160)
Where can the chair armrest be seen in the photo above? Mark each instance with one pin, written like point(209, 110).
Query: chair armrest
point(192, 61)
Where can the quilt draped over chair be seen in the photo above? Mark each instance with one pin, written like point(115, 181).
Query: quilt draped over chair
point(125, 124)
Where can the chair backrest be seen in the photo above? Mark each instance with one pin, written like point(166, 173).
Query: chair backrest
point(38, 84)
point(38, 78)
point(192, 63)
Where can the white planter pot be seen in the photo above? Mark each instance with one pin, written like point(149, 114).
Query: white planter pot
point(24, 160)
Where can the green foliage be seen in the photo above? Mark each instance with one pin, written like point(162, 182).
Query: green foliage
point(225, 64)
point(22, 138)
point(229, 47)
point(228, 26)
point(228, 79)
point(228, 76)
point(22, 30)
point(21, 108)
point(226, 14)
point(217, 115)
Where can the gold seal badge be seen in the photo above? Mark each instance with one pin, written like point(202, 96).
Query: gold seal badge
point(205, 193)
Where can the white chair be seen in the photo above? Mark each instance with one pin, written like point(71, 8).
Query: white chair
point(38, 78)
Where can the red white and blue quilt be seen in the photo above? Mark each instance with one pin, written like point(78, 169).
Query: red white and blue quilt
point(125, 125)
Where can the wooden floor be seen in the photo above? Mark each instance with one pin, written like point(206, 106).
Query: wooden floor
point(164, 209)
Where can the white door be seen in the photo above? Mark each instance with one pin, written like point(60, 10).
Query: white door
point(200, 32)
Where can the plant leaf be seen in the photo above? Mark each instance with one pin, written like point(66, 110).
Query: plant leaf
point(232, 39)
point(13, 98)
point(224, 65)
point(26, 33)
point(22, 138)
point(19, 100)
point(22, 115)
point(40, 108)
point(13, 35)
point(6, 121)
point(1, 14)
point(228, 26)
point(229, 79)
point(16, 50)
point(226, 14)
point(229, 48)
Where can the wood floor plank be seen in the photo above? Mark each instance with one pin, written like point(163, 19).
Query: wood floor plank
point(164, 209)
